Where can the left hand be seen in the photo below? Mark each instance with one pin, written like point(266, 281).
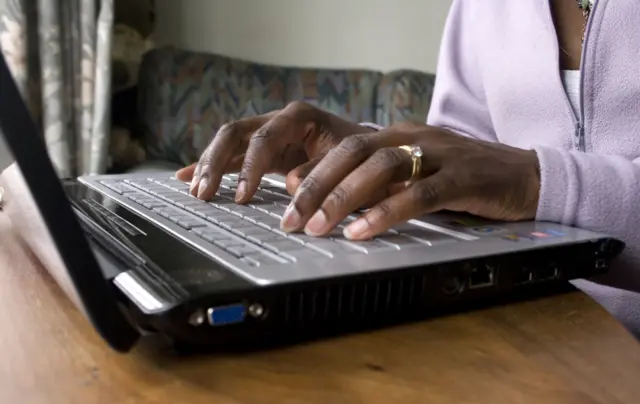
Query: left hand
point(461, 174)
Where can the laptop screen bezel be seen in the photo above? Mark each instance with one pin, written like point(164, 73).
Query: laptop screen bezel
point(29, 151)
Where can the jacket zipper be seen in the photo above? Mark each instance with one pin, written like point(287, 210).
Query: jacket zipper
point(578, 138)
point(581, 143)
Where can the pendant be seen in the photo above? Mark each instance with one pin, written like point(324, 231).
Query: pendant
point(585, 5)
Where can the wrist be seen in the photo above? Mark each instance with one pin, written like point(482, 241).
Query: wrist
point(373, 126)
point(533, 183)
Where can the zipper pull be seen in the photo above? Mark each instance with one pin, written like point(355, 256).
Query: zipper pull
point(576, 137)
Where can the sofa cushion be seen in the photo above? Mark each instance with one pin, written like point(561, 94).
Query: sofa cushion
point(184, 97)
point(404, 95)
point(350, 94)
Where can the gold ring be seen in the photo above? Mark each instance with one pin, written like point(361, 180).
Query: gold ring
point(415, 152)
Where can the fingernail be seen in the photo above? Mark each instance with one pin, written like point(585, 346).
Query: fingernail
point(203, 186)
point(291, 219)
point(316, 225)
point(357, 229)
point(241, 190)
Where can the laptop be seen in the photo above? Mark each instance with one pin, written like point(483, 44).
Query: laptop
point(139, 256)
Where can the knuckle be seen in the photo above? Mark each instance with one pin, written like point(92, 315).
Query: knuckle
point(389, 158)
point(355, 144)
point(307, 193)
point(308, 187)
point(298, 106)
point(425, 191)
point(205, 160)
point(262, 135)
point(196, 172)
point(229, 128)
point(338, 197)
point(383, 212)
point(407, 126)
point(302, 112)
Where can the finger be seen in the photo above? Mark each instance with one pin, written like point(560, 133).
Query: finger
point(195, 180)
point(295, 177)
point(186, 173)
point(214, 161)
point(265, 147)
point(425, 196)
point(331, 170)
point(385, 167)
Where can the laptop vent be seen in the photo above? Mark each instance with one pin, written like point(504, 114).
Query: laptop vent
point(357, 301)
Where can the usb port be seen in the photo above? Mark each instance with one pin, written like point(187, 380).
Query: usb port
point(525, 276)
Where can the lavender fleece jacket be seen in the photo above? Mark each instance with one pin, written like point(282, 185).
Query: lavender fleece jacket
point(498, 79)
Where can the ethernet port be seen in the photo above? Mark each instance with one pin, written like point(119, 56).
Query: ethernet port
point(482, 276)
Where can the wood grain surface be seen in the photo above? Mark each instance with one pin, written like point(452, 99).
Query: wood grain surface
point(563, 349)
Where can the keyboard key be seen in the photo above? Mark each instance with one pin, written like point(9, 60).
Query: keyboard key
point(266, 259)
point(189, 223)
point(368, 246)
point(419, 234)
point(119, 187)
point(278, 245)
point(400, 241)
point(233, 251)
point(217, 239)
point(305, 254)
point(151, 204)
point(258, 239)
point(250, 261)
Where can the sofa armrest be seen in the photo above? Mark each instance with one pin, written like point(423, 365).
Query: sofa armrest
point(404, 95)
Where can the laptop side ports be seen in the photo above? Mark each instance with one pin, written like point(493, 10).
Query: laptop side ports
point(525, 276)
point(482, 276)
point(548, 272)
point(452, 284)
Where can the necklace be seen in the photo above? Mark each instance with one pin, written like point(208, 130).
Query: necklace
point(586, 6)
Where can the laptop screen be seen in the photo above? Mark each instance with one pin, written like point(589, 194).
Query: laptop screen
point(40, 212)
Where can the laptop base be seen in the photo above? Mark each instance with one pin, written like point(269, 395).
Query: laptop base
point(285, 314)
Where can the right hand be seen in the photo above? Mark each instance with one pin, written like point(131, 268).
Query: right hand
point(290, 142)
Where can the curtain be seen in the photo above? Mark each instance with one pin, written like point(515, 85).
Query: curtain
point(59, 52)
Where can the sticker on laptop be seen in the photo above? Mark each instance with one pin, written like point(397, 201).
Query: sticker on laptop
point(486, 229)
point(535, 235)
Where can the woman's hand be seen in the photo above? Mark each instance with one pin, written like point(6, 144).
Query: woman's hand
point(290, 141)
point(458, 174)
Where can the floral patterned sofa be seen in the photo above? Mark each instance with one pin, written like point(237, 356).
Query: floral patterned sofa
point(184, 97)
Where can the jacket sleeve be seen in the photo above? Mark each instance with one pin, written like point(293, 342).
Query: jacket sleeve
point(458, 102)
point(600, 193)
point(592, 191)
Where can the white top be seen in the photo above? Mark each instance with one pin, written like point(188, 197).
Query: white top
point(571, 83)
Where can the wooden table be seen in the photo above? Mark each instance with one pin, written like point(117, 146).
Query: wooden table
point(564, 349)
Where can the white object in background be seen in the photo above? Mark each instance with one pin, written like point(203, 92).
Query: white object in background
point(6, 159)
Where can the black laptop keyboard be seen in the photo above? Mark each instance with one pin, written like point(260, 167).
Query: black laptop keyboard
point(251, 232)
